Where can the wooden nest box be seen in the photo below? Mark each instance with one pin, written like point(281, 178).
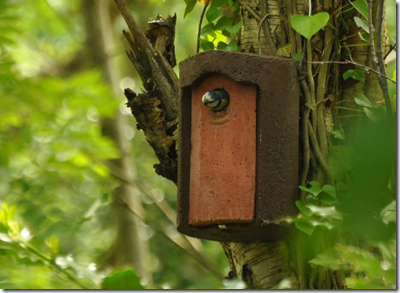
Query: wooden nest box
point(238, 164)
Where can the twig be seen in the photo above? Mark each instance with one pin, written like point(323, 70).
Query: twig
point(381, 62)
point(200, 23)
point(196, 256)
point(49, 261)
point(266, 28)
point(259, 33)
point(382, 81)
point(305, 138)
point(311, 82)
point(252, 12)
point(115, 171)
point(392, 47)
point(319, 154)
point(355, 64)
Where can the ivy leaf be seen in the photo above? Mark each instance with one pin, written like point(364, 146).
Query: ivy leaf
point(362, 100)
point(339, 134)
point(206, 45)
point(190, 4)
point(234, 29)
point(315, 188)
point(233, 46)
point(361, 23)
point(376, 115)
point(361, 6)
point(222, 46)
point(357, 74)
point(223, 22)
point(329, 259)
point(302, 208)
point(297, 57)
point(305, 226)
point(365, 37)
point(219, 3)
point(326, 212)
point(208, 28)
point(285, 51)
point(212, 13)
point(307, 26)
point(330, 189)
point(328, 195)
point(327, 199)
point(122, 280)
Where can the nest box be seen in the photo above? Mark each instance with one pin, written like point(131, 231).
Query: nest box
point(238, 164)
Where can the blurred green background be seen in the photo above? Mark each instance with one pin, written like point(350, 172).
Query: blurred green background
point(58, 229)
point(55, 186)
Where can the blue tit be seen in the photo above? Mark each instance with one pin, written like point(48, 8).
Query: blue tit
point(217, 99)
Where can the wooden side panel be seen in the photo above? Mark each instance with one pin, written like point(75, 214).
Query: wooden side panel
point(223, 155)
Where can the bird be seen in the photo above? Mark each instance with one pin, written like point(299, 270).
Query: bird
point(217, 99)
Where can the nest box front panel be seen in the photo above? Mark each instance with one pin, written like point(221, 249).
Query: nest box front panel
point(223, 155)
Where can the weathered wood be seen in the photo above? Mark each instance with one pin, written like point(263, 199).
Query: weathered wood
point(156, 110)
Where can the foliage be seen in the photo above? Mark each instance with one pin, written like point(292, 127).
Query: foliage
point(307, 26)
point(122, 280)
point(362, 206)
point(222, 27)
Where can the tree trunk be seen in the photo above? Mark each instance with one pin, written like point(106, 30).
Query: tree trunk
point(266, 29)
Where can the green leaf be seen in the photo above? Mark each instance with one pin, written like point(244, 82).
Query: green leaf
point(285, 51)
point(362, 23)
point(297, 57)
point(328, 259)
point(328, 195)
point(223, 22)
point(329, 189)
point(326, 212)
point(361, 6)
point(339, 134)
point(222, 46)
point(314, 190)
point(122, 280)
point(212, 13)
point(365, 37)
point(357, 74)
point(327, 199)
point(362, 100)
point(302, 208)
point(305, 227)
point(388, 214)
point(190, 4)
point(315, 184)
point(208, 28)
point(219, 3)
point(206, 45)
point(233, 46)
point(233, 30)
point(307, 26)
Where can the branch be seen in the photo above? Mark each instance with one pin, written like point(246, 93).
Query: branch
point(193, 253)
point(156, 110)
point(156, 73)
point(319, 154)
point(52, 264)
point(266, 28)
point(355, 64)
point(200, 23)
point(377, 66)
